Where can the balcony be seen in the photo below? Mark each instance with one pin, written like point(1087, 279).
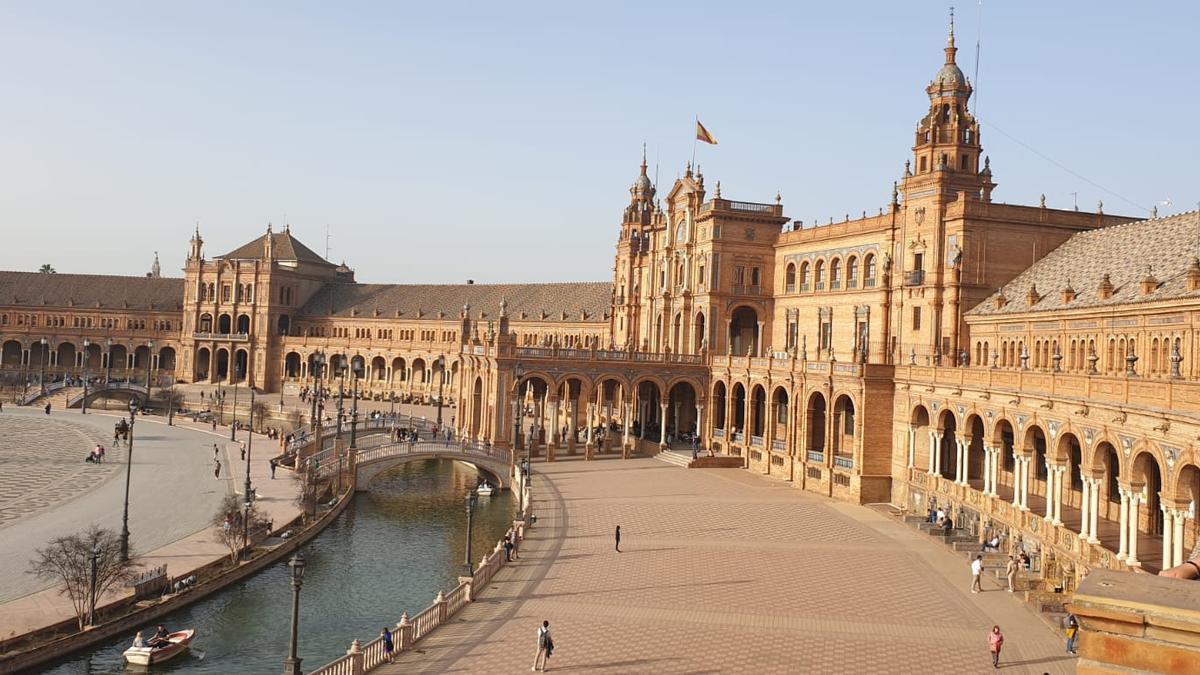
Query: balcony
point(804, 288)
point(835, 285)
point(756, 441)
point(869, 282)
point(227, 337)
point(739, 289)
point(841, 462)
point(914, 277)
point(816, 456)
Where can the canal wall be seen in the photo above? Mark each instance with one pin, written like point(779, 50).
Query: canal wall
point(128, 619)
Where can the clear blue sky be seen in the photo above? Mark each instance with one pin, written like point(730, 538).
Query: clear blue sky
point(442, 141)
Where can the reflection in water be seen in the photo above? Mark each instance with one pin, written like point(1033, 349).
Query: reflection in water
point(388, 553)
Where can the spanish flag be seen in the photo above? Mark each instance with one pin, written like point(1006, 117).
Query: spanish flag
point(703, 135)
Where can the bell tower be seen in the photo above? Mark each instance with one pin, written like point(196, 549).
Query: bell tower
point(634, 243)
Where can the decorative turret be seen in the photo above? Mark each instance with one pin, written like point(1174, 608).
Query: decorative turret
point(1193, 275)
point(1068, 293)
point(155, 269)
point(1033, 297)
point(197, 250)
point(1149, 283)
point(269, 244)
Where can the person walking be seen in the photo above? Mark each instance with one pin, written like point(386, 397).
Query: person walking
point(273, 465)
point(1072, 632)
point(217, 471)
point(976, 572)
point(1011, 573)
point(215, 451)
point(995, 642)
point(618, 537)
point(544, 646)
point(508, 549)
point(47, 408)
point(388, 646)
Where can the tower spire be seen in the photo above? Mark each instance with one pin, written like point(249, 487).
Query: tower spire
point(951, 50)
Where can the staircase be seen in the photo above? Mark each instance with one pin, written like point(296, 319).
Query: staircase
point(58, 400)
point(676, 457)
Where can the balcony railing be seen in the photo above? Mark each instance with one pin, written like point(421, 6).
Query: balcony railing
point(232, 337)
point(816, 456)
point(718, 433)
point(739, 289)
point(751, 207)
point(835, 285)
point(842, 462)
point(738, 436)
point(914, 277)
point(756, 441)
point(778, 444)
point(869, 282)
point(804, 288)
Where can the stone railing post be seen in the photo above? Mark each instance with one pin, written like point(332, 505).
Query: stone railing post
point(356, 658)
point(470, 582)
point(404, 633)
point(440, 601)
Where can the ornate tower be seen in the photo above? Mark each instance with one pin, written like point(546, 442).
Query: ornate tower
point(634, 244)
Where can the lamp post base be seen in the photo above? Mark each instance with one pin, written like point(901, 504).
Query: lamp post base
point(292, 666)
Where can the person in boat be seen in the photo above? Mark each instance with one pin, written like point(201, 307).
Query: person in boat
point(160, 638)
point(138, 641)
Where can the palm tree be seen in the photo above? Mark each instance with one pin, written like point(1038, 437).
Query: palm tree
point(47, 269)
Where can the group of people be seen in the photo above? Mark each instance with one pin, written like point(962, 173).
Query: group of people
point(160, 639)
point(96, 456)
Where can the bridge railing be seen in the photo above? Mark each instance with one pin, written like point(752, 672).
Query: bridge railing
point(305, 437)
point(364, 658)
point(35, 394)
point(111, 386)
point(325, 463)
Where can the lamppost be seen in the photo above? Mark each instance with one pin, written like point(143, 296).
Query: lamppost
point(249, 446)
point(86, 344)
point(108, 373)
point(354, 414)
point(341, 373)
point(441, 384)
point(92, 594)
point(518, 374)
point(318, 360)
point(246, 528)
point(42, 376)
point(233, 425)
point(128, 465)
point(149, 361)
point(471, 499)
point(291, 665)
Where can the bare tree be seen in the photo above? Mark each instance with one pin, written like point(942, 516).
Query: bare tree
point(67, 561)
point(172, 399)
point(230, 520)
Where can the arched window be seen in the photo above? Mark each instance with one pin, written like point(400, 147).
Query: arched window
point(869, 271)
point(820, 275)
point(852, 272)
point(804, 276)
point(790, 279)
point(835, 274)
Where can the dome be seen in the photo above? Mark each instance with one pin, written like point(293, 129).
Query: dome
point(950, 76)
point(642, 186)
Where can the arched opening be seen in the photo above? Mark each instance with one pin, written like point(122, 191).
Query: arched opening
point(222, 365)
point(283, 325)
point(533, 391)
point(843, 427)
point(948, 450)
point(224, 324)
point(681, 408)
point(241, 365)
point(699, 337)
point(1005, 440)
point(743, 332)
point(418, 371)
point(205, 325)
point(1070, 453)
point(758, 414)
point(719, 406)
point(779, 412)
point(739, 411)
point(203, 362)
point(399, 370)
point(852, 272)
point(243, 324)
point(815, 442)
point(10, 353)
point(64, 356)
point(677, 334)
point(789, 279)
point(918, 443)
point(476, 407)
point(93, 359)
point(358, 367)
point(804, 276)
point(649, 416)
point(975, 454)
point(291, 365)
point(1035, 446)
point(378, 369)
point(166, 360)
point(1147, 479)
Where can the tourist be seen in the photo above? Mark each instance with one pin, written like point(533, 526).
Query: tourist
point(545, 645)
point(1072, 625)
point(160, 637)
point(508, 549)
point(618, 536)
point(273, 465)
point(947, 525)
point(1190, 569)
point(995, 642)
point(976, 573)
point(388, 646)
point(217, 471)
point(138, 641)
point(214, 451)
point(1011, 572)
point(47, 408)
point(1023, 558)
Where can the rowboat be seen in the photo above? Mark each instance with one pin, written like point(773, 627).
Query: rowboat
point(484, 490)
point(146, 656)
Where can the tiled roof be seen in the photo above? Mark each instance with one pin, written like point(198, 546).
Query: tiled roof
point(34, 289)
point(582, 301)
point(286, 247)
point(1164, 246)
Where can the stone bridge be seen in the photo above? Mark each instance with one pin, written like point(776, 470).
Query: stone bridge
point(111, 390)
point(496, 463)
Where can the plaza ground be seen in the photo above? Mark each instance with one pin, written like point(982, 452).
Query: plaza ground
point(724, 571)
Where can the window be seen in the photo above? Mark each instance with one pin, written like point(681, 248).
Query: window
point(852, 273)
point(790, 279)
point(754, 276)
point(869, 271)
point(966, 163)
point(916, 318)
point(739, 275)
point(820, 274)
point(804, 276)
point(923, 165)
point(826, 335)
point(918, 261)
point(225, 291)
point(835, 274)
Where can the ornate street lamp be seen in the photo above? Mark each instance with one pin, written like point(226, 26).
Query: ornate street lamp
point(42, 376)
point(133, 407)
point(149, 361)
point(341, 373)
point(246, 527)
point(86, 344)
point(318, 361)
point(441, 383)
point(108, 373)
point(518, 374)
point(471, 500)
point(353, 416)
point(291, 665)
point(249, 447)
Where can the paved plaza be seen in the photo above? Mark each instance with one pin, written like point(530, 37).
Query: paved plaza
point(47, 490)
point(724, 571)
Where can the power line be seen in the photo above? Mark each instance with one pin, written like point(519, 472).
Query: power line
point(1062, 166)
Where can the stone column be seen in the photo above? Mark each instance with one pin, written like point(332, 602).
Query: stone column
point(590, 443)
point(553, 439)
point(662, 426)
point(1135, 501)
point(1025, 462)
point(1085, 504)
point(758, 346)
point(1094, 512)
point(1061, 472)
point(700, 423)
point(912, 445)
point(934, 446)
point(1168, 540)
point(572, 413)
point(1016, 481)
point(1177, 553)
point(627, 424)
point(1123, 547)
point(1050, 473)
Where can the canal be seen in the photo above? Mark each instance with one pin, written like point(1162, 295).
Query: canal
point(388, 553)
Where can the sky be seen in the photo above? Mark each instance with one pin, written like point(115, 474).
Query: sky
point(446, 141)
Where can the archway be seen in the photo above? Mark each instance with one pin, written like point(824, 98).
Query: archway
point(739, 410)
point(65, 356)
point(378, 369)
point(815, 411)
point(1005, 440)
point(291, 365)
point(283, 324)
point(93, 359)
point(222, 365)
point(758, 413)
point(719, 406)
point(399, 370)
point(843, 426)
point(10, 354)
point(699, 337)
point(202, 364)
point(358, 367)
point(649, 415)
point(681, 409)
point(205, 325)
point(418, 371)
point(243, 324)
point(476, 407)
point(241, 365)
point(918, 447)
point(1035, 445)
point(224, 324)
point(779, 412)
point(118, 358)
point(166, 360)
point(1070, 453)
point(975, 454)
point(948, 450)
point(743, 332)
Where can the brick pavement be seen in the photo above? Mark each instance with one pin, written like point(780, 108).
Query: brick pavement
point(724, 571)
